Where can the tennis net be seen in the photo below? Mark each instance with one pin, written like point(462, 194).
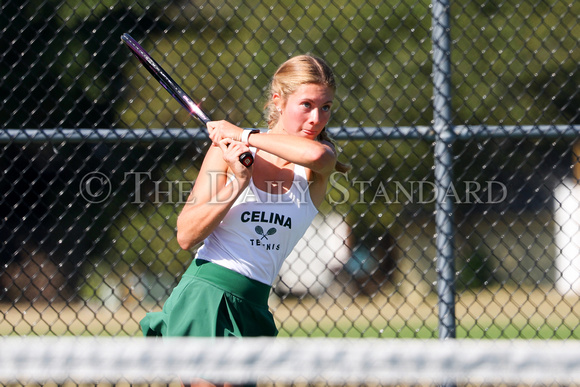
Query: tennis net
point(287, 361)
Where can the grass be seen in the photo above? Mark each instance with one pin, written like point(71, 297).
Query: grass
point(494, 313)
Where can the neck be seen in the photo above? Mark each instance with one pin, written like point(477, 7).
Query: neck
point(278, 129)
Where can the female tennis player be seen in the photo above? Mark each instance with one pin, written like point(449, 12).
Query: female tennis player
point(250, 219)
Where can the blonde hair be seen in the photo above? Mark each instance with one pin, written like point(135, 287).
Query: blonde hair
point(295, 72)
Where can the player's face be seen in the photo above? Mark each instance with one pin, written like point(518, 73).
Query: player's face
point(307, 110)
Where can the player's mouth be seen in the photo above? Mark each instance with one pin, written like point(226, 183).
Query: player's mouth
point(310, 132)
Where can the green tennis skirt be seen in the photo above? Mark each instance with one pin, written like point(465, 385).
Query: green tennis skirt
point(212, 301)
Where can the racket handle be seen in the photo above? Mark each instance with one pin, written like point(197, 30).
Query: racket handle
point(247, 159)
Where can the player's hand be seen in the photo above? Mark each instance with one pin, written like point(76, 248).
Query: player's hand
point(231, 154)
point(219, 130)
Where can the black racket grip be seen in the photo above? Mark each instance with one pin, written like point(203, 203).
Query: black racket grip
point(247, 159)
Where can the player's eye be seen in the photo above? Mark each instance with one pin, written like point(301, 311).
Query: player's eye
point(326, 108)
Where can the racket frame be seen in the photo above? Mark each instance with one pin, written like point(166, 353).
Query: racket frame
point(173, 88)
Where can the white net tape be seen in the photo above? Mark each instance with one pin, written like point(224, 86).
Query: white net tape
point(335, 361)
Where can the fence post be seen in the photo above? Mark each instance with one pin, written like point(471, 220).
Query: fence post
point(442, 123)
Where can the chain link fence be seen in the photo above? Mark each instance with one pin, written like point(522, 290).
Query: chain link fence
point(97, 159)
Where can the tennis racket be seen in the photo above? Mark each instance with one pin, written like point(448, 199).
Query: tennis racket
point(173, 88)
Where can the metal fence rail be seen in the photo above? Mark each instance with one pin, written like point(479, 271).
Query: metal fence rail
point(459, 218)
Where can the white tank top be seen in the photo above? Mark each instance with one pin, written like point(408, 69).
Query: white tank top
point(261, 229)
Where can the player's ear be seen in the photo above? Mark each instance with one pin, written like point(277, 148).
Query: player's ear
point(277, 99)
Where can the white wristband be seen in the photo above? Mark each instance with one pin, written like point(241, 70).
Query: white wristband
point(246, 135)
